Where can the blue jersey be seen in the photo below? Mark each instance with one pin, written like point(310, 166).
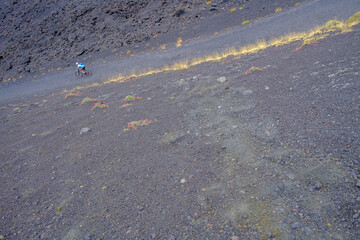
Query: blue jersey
point(81, 66)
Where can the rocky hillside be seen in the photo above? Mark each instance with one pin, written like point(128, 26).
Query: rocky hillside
point(33, 33)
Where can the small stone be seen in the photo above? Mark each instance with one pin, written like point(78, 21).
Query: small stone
point(52, 178)
point(318, 186)
point(247, 92)
point(84, 130)
point(358, 183)
point(234, 238)
point(356, 215)
point(308, 230)
point(222, 79)
point(2, 237)
point(270, 235)
point(295, 225)
point(89, 237)
point(183, 180)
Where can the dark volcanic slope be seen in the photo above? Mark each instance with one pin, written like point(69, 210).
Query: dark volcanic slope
point(34, 34)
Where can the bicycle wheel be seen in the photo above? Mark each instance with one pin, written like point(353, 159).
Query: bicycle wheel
point(88, 73)
point(79, 74)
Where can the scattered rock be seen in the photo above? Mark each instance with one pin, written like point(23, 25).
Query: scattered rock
point(295, 225)
point(183, 180)
point(358, 183)
point(222, 79)
point(234, 238)
point(308, 230)
point(84, 130)
point(247, 92)
point(179, 12)
point(270, 235)
point(356, 215)
point(89, 237)
point(318, 186)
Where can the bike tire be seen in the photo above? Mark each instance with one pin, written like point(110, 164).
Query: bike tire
point(88, 73)
point(79, 74)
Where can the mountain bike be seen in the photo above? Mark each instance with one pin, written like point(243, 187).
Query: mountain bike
point(81, 73)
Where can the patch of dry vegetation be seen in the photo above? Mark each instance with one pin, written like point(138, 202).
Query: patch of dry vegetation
point(332, 27)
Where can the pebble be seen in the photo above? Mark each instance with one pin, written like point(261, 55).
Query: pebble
point(358, 183)
point(318, 186)
point(89, 237)
point(356, 215)
point(222, 79)
point(295, 225)
point(234, 238)
point(84, 130)
point(270, 235)
point(247, 92)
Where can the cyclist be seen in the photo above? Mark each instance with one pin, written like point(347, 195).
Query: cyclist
point(80, 66)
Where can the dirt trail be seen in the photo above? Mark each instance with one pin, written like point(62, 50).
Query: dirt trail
point(262, 146)
point(298, 19)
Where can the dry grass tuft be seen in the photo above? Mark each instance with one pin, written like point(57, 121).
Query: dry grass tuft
point(353, 20)
point(99, 105)
point(73, 94)
point(179, 42)
point(253, 69)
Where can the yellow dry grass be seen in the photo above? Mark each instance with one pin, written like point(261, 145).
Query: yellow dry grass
point(315, 34)
point(179, 42)
point(353, 20)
